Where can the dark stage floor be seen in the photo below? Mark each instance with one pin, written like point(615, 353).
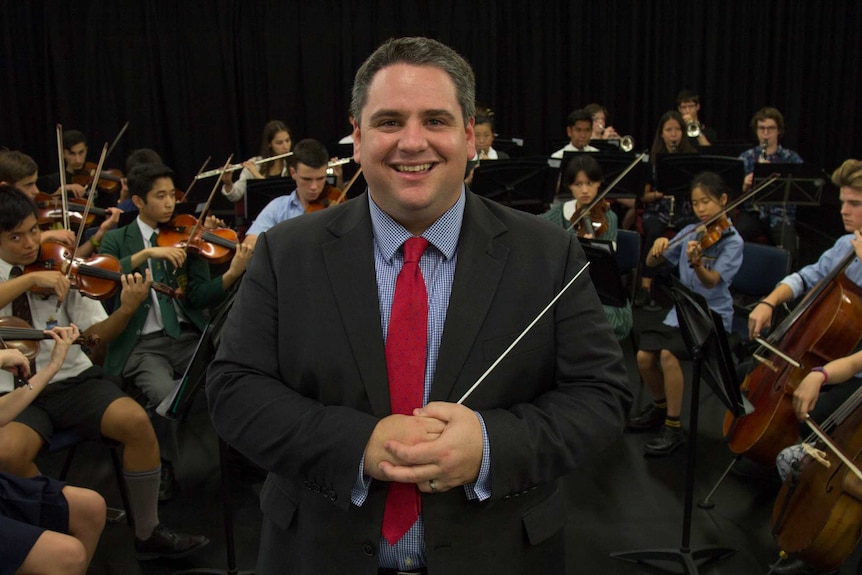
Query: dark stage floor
point(621, 501)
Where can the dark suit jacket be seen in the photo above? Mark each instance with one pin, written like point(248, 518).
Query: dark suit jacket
point(199, 292)
point(299, 383)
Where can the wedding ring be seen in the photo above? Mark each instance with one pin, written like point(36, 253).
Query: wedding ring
point(432, 486)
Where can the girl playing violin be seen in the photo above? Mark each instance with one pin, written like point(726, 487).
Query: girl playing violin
point(709, 265)
point(583, 177)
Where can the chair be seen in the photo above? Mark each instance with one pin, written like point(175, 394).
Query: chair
point(628, 257)
point(69, 440)
point(762, 268)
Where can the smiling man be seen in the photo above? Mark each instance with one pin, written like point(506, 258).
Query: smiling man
point(371, 319)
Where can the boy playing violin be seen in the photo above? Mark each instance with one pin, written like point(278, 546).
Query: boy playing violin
point(163, 332)
point(78, 396)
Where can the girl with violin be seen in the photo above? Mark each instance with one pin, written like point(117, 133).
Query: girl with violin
point(275, 141)
point(707, 261)
point(78, 396)
point(308, 169)
point(583, 177)
point(21, 172)
point(660, 211)
point(65, 534)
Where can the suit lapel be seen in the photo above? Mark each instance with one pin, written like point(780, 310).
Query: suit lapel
point(481, 261)
point(349, 261)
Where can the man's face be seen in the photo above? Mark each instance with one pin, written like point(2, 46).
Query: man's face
point(309, 182)
point(580, 133)
point(413, 144)
point(851, 208)
point(161, 200)
point(28, 185)
point(688, 110)
point(75, 156)
point(767, 131)
point(20, 246)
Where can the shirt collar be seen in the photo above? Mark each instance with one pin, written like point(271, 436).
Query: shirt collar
point(146, 230)
point(5, 269)
point(442, 234)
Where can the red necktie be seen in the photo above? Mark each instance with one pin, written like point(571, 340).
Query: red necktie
point(406, 351)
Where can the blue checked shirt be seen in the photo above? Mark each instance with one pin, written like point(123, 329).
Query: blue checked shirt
point(438, 270)
point(775, 214)
point(278, 210)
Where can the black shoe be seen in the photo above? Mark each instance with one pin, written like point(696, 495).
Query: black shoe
point(641, 297)
point(168, 482)
point(649, 418)
point(666, 442)
point(169, 544)
point(796, 566)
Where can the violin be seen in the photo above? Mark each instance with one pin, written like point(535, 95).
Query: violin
point(708, 237)
point(18, 334)
point(50, 211)
point(110, 181)
point(330, 196)
point(97, 277)
point(185, 231)
point(594, 222)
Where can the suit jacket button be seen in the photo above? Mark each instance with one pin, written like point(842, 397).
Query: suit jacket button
point(368, 549)
point(316, 488)
point(333, 496)
point(307, 484)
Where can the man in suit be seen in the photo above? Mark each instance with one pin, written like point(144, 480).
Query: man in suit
point(162, 335)
point(305, 383)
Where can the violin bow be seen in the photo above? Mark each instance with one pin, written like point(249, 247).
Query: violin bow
point(115, 142)
point(65, 202)
point(523, 333)
point(206, 208)
point(726, 210)
point(195, 179)
point(347, 187)
point(612, 185)
point(831, 444)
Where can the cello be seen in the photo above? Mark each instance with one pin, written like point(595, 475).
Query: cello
point(817, 514)
point(826, 325)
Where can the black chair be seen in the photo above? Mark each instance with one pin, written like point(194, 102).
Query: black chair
point(762, 268)
point(628, 257)
point(69, 441)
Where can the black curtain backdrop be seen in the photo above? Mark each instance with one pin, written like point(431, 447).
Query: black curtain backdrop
point(201, 77)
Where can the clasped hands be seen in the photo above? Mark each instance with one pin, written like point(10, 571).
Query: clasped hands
point(440, 442)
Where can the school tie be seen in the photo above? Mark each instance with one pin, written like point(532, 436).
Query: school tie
point(21, 309)
point(406, 351)
point(166, 304)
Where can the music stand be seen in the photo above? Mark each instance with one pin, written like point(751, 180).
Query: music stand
point(702, 331)
point(795, 184)
point(674, 172)
point(523, 184)
point(258, 193)
point(176, 406)
point(604, 272)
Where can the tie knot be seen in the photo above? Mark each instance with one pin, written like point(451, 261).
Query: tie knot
point(16, 271)
point(414, 248)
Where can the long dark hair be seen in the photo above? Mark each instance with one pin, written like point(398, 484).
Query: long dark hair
point(272, 128)
point(658, 146)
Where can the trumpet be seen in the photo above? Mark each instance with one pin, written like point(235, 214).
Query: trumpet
point(627, 143)
point(692, 129)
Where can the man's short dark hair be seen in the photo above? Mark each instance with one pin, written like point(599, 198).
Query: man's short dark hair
point(142, 178)
point(142, 156)
point(580, 115)
point(416, 52)
point(73, 138)
point(687, 96)
point(15, 207)
point(311, 153)
point(15, 166)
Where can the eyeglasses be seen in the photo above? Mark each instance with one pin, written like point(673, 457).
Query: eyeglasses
point(767, 128)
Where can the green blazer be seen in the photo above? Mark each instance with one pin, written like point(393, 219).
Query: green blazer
point(199, 292)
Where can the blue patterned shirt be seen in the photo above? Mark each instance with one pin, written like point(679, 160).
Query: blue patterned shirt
point(438, 269)
point(278, 210)
point(775, 214)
